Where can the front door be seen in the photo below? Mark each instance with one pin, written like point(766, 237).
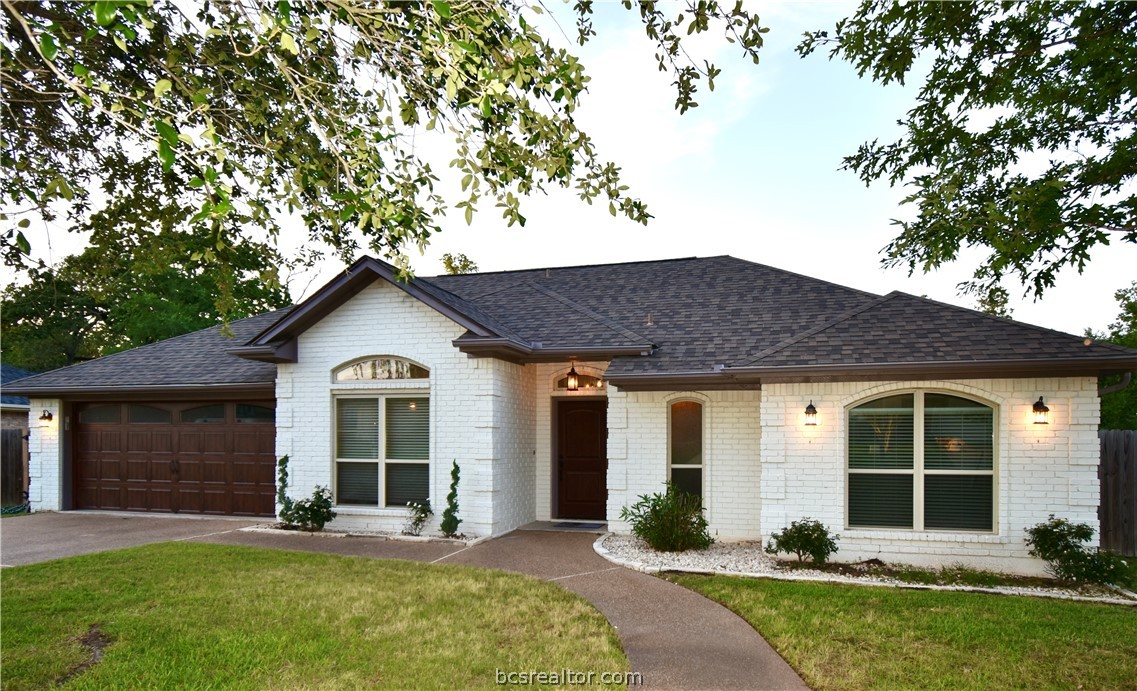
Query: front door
point(582, 458)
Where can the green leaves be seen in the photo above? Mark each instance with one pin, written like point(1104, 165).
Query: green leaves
point(260, 133)
point(47, 46)
point(1021, 141)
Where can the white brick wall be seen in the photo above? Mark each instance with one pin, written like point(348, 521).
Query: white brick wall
point(1041, 469)
point(45, 455)
point(637, 455)
point(480, 412)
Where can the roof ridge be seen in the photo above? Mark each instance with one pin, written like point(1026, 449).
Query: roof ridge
point(1015, 322)
point(103, 358)
point(795, 274)
point(576, 266)
point(819, 328)
point(593, 315)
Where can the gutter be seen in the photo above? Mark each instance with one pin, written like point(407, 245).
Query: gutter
point(151, 391)
point(519, 351)
point(1114, 388)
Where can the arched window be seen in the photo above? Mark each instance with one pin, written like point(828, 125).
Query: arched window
point(381, 369)
point(685, 446)
point(921, 460)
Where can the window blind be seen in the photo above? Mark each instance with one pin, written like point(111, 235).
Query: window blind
point(408, 429)
point(357, 428)
point(880, 501)
point(958, 502)
point(881, 434)
point(407, 482)
point(357, 483)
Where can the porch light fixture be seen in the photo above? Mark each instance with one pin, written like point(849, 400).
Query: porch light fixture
point(46, 417)
point(811, 415)
point(1041, 413)
point(573, 379)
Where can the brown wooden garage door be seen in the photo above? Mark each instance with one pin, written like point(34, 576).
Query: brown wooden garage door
point(186, 457)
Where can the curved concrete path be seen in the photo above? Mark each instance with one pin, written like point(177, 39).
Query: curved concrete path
point(675, 638)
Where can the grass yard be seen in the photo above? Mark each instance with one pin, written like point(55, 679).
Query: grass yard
point(858, 637)
point(210, 616)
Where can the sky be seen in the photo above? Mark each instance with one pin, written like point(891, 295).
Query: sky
point(753, 172)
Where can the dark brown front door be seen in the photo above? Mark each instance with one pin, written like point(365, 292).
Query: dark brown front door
point(582, 458)
point(211, 457)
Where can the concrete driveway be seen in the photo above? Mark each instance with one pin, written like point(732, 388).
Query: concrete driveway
point(675, 638)
point(45, 536)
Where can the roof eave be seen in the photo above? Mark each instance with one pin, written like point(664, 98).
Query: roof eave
point(518, 352)
point(960, 369)
point(153, 392)
point(284, 351)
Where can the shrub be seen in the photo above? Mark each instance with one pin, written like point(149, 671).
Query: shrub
point(1060, 544)
point(806, 537)
point(669, 522)
point(420, 514)
point(450, 518)
point(306, 514)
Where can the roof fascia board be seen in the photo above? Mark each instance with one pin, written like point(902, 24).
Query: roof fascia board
point(345, 286)
point(286, 351)
point(514, 351)
point(963, 368)
point(192, 391)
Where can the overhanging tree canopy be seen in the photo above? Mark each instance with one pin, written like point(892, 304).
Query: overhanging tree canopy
point(1022, 140)
point(240, 112)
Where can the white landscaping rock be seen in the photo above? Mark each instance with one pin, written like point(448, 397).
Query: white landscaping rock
point(748, 559)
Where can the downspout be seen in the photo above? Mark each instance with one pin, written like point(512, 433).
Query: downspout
point(1113, 388)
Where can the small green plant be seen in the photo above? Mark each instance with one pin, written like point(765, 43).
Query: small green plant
point(1061, 544)
point(806, 537)
point(670, 522)
point(450, 518)
point(420, 514)
point(305, 514)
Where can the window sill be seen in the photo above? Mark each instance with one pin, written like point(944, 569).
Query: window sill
point(353, 510)
point(928, 536)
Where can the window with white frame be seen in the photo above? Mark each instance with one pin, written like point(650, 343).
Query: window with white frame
point(685, 446)
point(382, 450)
point(921, 460)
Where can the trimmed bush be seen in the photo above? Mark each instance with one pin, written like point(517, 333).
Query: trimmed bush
point(670, 522)
point(305, 514)
point(806, 537)
point(450, 518)
point(1061, 544)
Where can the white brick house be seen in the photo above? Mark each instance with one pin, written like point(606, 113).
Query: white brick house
point(924, 448)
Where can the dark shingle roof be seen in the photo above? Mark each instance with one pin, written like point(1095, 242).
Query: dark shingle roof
point(8, 375)
point(193, 359)
point(704, 312)
point(902, 328)
point(700, 314)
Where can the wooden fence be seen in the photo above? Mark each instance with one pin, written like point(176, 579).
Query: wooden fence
point(1118, 474)
point(12, 467)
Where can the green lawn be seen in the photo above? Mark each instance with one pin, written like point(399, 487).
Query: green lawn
point(197, 615)
point(858, 637)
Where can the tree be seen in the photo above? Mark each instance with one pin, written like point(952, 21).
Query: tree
point(1022, 139)
point(1119, 409)
point(143, 288)
point(458, 264)
point(227, 116)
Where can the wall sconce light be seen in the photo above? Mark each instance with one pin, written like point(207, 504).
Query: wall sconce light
point(811, 415)
point(1041, 413)
point(46, 417)
point(573, 378)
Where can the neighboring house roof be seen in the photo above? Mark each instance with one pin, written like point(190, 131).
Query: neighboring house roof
point(716, 322)
point(8, 375)
point(183, 364)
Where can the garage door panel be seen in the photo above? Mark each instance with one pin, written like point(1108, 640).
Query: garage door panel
point(194, 463)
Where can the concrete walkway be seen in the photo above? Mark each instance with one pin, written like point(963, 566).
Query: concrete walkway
point(675, 638)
